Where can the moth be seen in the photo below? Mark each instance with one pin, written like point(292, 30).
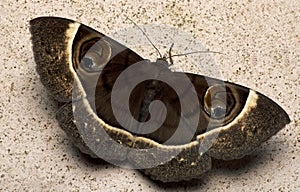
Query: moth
point(82, 67)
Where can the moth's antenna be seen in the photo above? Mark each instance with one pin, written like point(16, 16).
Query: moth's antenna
point(193, 52)
point(178, 55)
point(145, 36)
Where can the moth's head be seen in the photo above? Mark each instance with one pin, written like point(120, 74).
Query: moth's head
point(163, 62)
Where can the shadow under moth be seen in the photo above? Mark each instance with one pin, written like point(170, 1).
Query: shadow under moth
point(90, 75)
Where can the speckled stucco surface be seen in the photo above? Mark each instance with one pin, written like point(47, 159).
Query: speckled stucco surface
point(260, 46)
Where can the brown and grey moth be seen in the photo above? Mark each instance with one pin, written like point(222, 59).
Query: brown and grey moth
point(81, 68)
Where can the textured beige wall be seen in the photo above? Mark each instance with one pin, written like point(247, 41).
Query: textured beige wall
point(261, 49)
